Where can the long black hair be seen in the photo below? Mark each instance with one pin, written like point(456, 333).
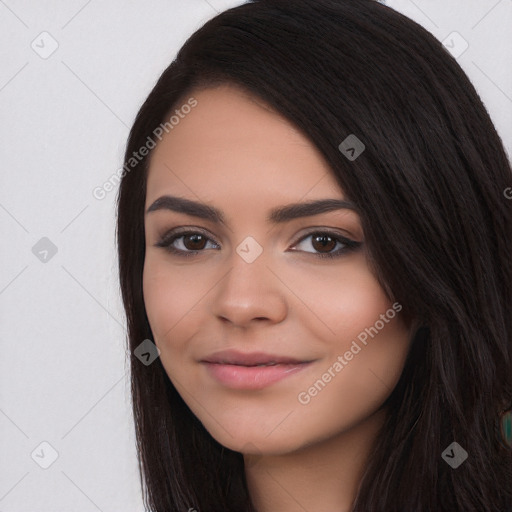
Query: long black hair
point(429, 188)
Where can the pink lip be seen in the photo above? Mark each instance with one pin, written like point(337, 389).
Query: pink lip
point(252, 377)
point(249, 358)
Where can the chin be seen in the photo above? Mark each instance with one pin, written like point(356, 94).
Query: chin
point(256, 440)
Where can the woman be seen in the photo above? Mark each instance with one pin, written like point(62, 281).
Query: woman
point(314, 232)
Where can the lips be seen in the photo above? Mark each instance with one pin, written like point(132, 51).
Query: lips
point(250, 359)
point(251, 371)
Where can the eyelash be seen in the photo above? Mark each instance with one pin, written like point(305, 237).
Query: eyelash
point(166, 241)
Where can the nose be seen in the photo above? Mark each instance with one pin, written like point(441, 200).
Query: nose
point(250, 293)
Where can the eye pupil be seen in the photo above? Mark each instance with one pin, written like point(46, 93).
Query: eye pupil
point(324, 241)
point(196, 239)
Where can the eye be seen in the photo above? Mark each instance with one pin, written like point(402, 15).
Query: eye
point(185, 243)
point(325, 242)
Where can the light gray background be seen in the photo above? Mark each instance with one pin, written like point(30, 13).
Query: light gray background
point(64, 120)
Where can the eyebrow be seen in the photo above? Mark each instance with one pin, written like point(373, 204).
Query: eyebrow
point(277, 215)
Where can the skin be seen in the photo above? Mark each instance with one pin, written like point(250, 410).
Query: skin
point(234, 153)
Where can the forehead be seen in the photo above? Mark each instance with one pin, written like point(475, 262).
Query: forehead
point(231, 142)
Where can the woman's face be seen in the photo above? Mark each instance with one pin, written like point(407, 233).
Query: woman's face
point(249, 276)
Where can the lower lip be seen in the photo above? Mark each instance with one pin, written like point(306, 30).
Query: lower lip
point(252, 377)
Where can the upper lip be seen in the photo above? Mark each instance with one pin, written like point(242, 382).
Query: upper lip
point(249, 358)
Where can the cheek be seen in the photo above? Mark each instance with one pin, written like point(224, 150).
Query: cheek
point(170, 297)
point(340, 304)
point(357, 379)
point(173, 301)
point(355, 320)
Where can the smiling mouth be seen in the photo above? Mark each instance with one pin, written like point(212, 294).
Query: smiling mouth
point(238, 358)
point(253, 376)
point(271, 363)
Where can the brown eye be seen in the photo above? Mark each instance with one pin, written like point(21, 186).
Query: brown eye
point(186, 243)
point(323, 243)
point(194, 242)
